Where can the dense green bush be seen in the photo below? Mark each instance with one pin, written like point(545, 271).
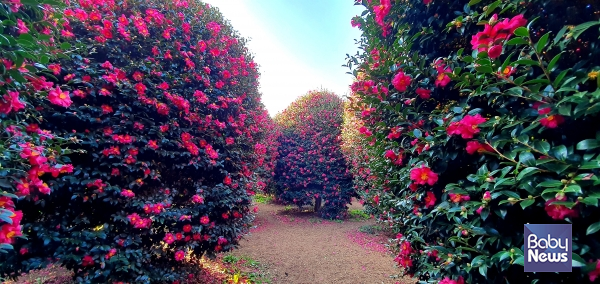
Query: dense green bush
point(310, 164)
point(482, 116)
point(28, 41)
point(161, 98)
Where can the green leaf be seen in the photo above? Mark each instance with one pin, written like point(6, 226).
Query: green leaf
point(417, 133)
point(554, 61)
point(578, 30)
point(492, 7)
point(522, 31)
point(560, 152)
point(588, 144)
point(484, 69)
point(577, 261)
point(542, 42)
point(517, 41)
point(591, 201)
point(473, 2)
point(550, 183)
point(593, 164)
point(526, 172)
point(526, 203)
point(593, 228)
point(483, 270)
point(541, 146)
point(527, 62)
point(65, 45)
point(527, 159)
point(519, 260)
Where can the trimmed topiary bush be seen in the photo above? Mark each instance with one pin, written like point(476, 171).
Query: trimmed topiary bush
point(161, 99)
point(311, 165)
point(482, 117)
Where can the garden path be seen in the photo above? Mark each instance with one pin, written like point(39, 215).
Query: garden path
point(299, 248)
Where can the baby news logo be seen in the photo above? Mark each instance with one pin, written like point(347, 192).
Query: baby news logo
point(548, 248)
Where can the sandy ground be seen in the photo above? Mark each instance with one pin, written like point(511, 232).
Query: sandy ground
point(299, 248)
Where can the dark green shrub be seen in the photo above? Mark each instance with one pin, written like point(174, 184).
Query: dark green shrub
point(480, 119)
point(310, 164)
point(161, 98)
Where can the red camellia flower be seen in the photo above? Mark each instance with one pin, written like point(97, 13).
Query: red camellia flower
point(59, 97)
point(430, 199)
point(559, 212)
point(594, 273)
point(87, 261)
point(381, 11)
point(179, 255)
point(423, 93)
point(552, 121)
point(423, 175)
point(495, 34)
point(442, 78)
point(475, 146)
point(427, 2)
point(401, 81)
point(204, 220)
point(467, 127)
point(457, 198)
point(187, 228)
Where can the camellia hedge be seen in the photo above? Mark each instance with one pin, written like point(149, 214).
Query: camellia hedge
point(477, 117)
point(311, 165)
point(160, 101)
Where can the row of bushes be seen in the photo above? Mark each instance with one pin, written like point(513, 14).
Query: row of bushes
point(311, 168)
point(471, 119)
point(134, 137)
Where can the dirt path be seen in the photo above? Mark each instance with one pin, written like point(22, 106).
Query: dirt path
point(300, 248)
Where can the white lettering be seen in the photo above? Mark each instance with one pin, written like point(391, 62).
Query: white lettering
point(532, 253)
point(532, 241)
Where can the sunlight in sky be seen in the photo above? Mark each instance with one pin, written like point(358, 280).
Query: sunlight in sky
point(298, 45)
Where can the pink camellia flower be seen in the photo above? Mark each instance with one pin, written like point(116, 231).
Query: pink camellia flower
point(423, 175)
point(381, 11)
point(495, 34)
point(479, 210)
point(447, 280)
point(179, 255)
point(169, 238)
point(430, 199)
point(487, 196)
point(22, 27)
point(495, 51)
point(11, 103)
point(427, 2)
point(204, 220)
point(466, 127)
point(475, 147)
point(376, 199)
point(458, 198)
point(59, 97)
point(595, 272)
point(423, 93)
point(442, 78)
point(401, 81)
point(559, 212)
point(197, 199)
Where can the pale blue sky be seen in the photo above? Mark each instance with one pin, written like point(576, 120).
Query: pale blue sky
point(299, 45)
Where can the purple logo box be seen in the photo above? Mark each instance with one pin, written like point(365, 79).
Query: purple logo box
point(548, 248)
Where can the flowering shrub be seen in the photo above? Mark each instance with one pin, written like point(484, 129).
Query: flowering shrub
point(471, 115)
point(161, 98)
point(27, 151)
point(311, 164)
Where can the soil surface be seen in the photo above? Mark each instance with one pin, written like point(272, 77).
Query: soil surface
point(300, 248)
